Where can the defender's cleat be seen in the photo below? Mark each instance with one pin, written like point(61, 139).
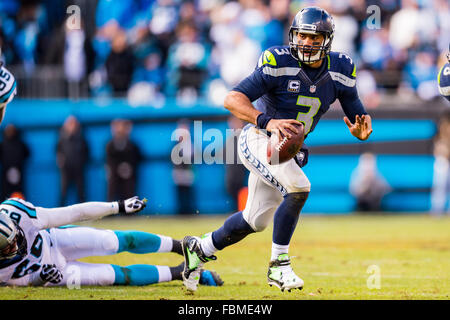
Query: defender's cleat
point(194, 259)
point(280, 274)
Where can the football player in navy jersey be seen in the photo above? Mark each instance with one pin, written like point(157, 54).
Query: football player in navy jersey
point(290, 85)
point(441, 167)
point(444, 78)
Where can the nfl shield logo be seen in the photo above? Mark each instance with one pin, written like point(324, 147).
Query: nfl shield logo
point(312, 89)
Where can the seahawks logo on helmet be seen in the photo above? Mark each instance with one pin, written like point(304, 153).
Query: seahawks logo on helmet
point(311, 20)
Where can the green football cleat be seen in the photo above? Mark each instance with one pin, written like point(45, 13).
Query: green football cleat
point(280, 274)
point(194, 259)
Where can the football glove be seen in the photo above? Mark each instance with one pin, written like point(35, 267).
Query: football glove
point(132, 205)
point(50, 273)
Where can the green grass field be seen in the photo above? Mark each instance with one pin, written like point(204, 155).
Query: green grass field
point(332, 255)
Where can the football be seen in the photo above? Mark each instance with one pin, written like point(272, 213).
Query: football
point(281, 149)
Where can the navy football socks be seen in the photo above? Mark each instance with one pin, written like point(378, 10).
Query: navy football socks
point(286, 217)
point(234, 229)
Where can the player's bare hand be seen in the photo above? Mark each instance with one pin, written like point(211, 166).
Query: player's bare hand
point(362, 128)
point(280, 125)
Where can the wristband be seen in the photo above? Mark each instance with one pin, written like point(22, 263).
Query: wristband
point(262, 120)
point(121, 206)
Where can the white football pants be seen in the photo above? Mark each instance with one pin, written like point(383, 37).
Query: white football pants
point(69, 244)
point(267, 183)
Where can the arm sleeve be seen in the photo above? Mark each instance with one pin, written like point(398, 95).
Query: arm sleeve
point(351, 104)
point(254, 86)
point(55, 217)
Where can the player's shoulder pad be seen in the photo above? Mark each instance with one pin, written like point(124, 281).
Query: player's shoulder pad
point(21, 204)
point(342, 68)
point(276, 57)
point(7, 85)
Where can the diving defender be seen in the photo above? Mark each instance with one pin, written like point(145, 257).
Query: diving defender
point(40, 247)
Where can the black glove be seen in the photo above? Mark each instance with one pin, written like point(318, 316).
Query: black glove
point(50, 273)
point(302, 157)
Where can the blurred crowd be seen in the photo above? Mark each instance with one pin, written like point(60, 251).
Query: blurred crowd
point(147, 50)
point(123, 157)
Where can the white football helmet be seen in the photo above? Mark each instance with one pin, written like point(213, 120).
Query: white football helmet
point(12, 239)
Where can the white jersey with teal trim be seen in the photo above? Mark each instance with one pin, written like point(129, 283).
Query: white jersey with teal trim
point(444, 81)
point(37, 224)
point(24, 214)
point(8, 86)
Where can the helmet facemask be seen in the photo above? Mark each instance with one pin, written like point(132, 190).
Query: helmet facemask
point(17, 245)
point(308, 54)
point(10, 251)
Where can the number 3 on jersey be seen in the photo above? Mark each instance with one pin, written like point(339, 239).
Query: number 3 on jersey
point(307, 118)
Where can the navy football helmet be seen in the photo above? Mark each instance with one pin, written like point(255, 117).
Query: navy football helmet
point(311, 20)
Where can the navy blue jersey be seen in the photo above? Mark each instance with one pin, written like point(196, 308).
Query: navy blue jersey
point(283, 88)
point(444, 81)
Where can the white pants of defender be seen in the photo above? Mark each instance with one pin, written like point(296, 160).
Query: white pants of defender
point(66, 245)
point(267, 183)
